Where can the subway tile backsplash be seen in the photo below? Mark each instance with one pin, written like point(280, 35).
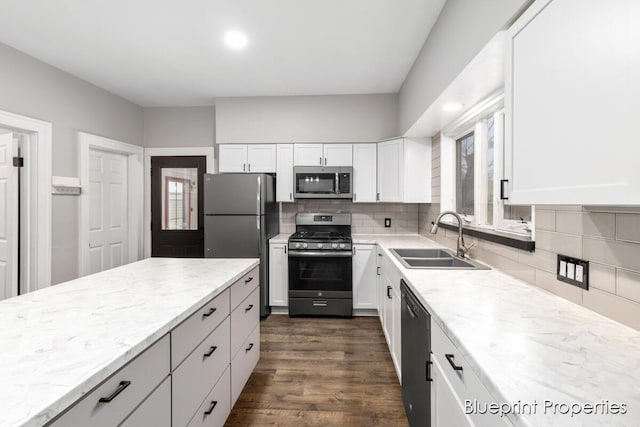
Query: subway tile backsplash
point(366, 218)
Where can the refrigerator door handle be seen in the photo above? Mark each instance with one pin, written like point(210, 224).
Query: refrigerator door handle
point(258, 198)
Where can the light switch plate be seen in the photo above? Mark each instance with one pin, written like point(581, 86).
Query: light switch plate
point(574, 271)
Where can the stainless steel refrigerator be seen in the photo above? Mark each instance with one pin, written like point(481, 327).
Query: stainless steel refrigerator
point(240, 216)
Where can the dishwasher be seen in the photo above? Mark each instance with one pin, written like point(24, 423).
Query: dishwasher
point(416, 359)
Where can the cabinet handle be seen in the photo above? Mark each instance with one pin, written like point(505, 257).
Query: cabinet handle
point(379, 254)
point(321, 161)
point(244, 167)
point(502, 192)
point(211, 350)
point(248, 349)
point(285, 249)
point(290, 196)
point(120, 389)
point(249, 167)
point(388, 292)
point(211, 407)
point(378, 271)
point(325, 161)
point(210, 312)
point(377, 197)
point(248, 308)
point(354, 197)
point(248, 280)
point(452, 363)
point(428, 366)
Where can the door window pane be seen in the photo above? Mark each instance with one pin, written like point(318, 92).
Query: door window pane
point(179, 198)
point(465, 175)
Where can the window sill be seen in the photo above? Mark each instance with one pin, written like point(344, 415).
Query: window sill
point(507, 239)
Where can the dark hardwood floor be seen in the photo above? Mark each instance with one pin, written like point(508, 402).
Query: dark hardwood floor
point(321, 372)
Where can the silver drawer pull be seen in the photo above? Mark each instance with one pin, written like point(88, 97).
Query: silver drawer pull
point(319, 304)
point(248, 280)
point(452, 363)
point(248, 308)
point(248, 349)
point(211, 350)
point(210, 312)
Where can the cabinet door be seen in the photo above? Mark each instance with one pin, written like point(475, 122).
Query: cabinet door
point(396, 332)
point(338, 154)
point(232, 158)
point(571, 93)
point(364, 173)
point(278, 274)
point(261, 158)
point(446, 409)
point(284, 173)
point(364, 276)
point(155, 410)
point(308, 155)
point(390, 170)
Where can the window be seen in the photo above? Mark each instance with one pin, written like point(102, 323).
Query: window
point(465, 175)
point(472, 159)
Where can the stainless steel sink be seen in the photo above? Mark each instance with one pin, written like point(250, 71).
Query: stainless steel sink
point(435, 259)
point(422, 253)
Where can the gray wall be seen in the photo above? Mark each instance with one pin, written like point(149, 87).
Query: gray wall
point(339, 118)
point(32, 88)
point(463, 28)
point(179, 127)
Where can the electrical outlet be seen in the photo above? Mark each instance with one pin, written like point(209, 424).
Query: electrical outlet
point(387, 222)
point(574, 271)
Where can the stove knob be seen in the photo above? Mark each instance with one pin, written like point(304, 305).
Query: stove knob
point(320, 245)
point(342, 246)
point(334, 245)
point(297, 245)
point(304, 246)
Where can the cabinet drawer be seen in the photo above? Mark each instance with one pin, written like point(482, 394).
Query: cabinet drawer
point(155, 410)
point(243, 363)
point(199, 372)
point(217, 406)
point(192, 331)
point(244, 319)
point(243, 287)
point(124, 390)
point(466, 384)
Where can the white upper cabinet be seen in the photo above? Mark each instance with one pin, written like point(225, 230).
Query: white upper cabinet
point(323, 154)
point(254, 158)
point(364, 173)
point(571, 98)
point(232, 158)
point(338, 154)
point(284, 173)
point(404, 170)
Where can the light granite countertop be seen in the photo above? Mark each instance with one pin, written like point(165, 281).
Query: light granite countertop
point(526, 344)
point(58, 343)
point(280, 238)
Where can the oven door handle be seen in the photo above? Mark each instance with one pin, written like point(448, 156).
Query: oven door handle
point(329, 254)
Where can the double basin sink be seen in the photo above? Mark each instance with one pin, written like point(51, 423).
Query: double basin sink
point(435, 259)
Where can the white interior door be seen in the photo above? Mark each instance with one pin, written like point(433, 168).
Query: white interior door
point(107, 210)
point(8, 217)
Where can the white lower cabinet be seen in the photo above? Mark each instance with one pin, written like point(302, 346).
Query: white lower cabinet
point(155, 410)
point(216, 407)
point(454, 383)
point(113, 400)
point(390, 306)
point(278, 275)
point(364, 277)
point(190, 377)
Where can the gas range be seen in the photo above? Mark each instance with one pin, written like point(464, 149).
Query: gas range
point(320, 265)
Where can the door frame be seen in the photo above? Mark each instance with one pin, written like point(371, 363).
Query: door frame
point(37, 191)
point(208, 152)
point(134, 155)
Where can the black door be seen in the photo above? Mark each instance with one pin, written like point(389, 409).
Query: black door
point(177, 206)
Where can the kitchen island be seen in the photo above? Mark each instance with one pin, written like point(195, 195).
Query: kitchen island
point(59, 343)
point(524, 345)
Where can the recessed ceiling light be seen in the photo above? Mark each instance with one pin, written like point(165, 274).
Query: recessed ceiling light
point(235, 39)
point(452, 107)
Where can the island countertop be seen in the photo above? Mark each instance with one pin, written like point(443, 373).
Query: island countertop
point(58, 343)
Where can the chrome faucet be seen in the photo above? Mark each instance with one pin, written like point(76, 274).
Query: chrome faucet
point(461, 250)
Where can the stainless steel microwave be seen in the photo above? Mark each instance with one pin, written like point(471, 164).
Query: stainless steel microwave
point(322, 182)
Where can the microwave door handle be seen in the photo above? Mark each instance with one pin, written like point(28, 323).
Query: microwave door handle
point(337, 183)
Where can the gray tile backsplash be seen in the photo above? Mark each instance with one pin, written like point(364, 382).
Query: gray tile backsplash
point(366, 218)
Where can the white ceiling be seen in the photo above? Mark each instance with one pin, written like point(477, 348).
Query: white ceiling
point(171, 53)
